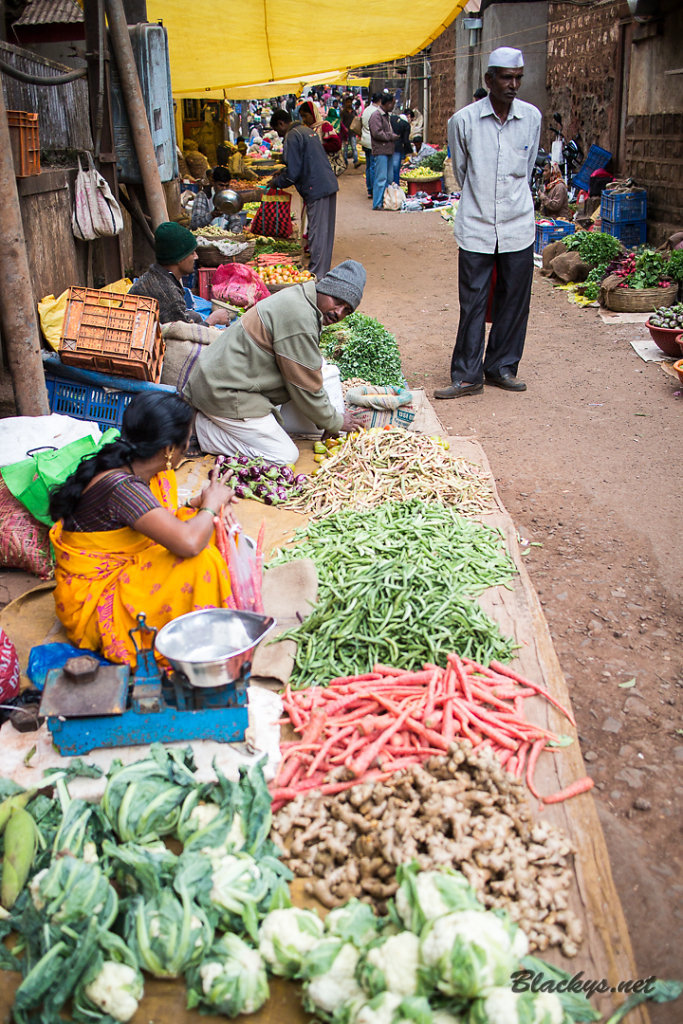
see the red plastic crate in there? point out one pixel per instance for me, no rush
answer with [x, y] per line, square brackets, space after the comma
[112, 333]
[430, 187]
[204, 279]
[24, 136]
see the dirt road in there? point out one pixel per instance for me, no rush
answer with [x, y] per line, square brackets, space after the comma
[587, 463]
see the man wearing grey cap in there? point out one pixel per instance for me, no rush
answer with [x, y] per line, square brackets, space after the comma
[493, 145]
[268, 357]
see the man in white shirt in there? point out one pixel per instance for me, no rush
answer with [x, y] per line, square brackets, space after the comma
[366, 141]
[493, 145]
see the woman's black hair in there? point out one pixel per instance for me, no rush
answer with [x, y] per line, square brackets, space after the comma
[152, 422]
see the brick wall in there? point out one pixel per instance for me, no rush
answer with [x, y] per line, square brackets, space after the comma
[654, 157]
[581, 64]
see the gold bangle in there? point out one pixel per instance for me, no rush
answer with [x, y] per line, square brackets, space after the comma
[205, 509]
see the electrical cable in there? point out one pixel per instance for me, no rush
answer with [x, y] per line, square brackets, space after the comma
[24, 76]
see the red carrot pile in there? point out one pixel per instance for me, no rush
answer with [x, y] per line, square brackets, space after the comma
[378, 723]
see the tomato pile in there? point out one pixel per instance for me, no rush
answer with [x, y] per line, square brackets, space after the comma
[283, 273]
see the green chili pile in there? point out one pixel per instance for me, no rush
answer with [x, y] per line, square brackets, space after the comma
[396, 585]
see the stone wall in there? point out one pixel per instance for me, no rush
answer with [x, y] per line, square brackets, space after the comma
[654, 157]
[581, 70]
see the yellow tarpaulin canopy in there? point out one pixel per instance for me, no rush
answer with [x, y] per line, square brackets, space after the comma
[264, 90]
[216, 47]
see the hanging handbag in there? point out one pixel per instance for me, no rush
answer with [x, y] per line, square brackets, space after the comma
[96, 213]
[273, 217]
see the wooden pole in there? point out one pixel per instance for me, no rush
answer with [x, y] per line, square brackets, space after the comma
[17, 301]
[137, 116]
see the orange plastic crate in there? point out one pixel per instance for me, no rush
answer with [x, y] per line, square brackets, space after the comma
[23, 132]
[112, 333]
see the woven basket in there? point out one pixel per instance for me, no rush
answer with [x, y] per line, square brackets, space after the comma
[211, 256]
[640, 300]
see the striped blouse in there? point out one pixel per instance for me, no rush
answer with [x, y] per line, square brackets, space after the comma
[117, 499]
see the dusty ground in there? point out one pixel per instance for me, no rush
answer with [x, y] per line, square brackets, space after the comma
[587, 464]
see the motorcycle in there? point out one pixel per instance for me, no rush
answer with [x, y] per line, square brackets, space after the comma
[567, 154]
[541, 162]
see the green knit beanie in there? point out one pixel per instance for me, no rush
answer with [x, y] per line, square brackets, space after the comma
[172, 243]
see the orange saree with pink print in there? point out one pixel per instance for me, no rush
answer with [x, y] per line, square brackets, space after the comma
[106, 578]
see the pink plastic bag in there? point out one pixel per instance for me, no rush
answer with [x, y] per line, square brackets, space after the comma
[238, 284]
[9, 668]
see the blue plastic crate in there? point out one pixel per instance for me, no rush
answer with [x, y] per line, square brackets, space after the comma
[620, 206]
[596, 159]
[629, 233]
[88, 395]
[547, 233]
[85, 402]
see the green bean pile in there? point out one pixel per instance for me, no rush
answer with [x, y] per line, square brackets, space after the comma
[396, 585]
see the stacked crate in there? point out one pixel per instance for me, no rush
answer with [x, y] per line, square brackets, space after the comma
[624, 215]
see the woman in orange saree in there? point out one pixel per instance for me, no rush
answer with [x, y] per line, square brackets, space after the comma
[121, 544]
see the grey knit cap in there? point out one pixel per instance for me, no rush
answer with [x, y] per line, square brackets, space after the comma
[346, 281]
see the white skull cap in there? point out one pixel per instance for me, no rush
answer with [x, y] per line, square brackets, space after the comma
[506, 57]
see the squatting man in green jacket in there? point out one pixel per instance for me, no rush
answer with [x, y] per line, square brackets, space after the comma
[270, 356]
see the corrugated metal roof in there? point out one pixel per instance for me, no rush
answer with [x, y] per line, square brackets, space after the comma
[51, 12]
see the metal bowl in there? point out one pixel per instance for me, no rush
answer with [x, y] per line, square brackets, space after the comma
[228, 201]
[211, 646]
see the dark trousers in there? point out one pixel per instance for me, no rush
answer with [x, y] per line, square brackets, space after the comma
[369, 169]
[321, 223]
[511, 299]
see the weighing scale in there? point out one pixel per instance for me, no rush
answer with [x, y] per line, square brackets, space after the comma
[202, 695]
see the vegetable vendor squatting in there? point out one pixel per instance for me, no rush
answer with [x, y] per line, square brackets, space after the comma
[121, 543]
[271, 355]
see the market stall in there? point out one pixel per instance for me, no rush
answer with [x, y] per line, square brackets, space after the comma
[605, 949]
[412, 669]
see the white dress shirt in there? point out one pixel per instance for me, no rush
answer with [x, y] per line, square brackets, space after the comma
[493, 163]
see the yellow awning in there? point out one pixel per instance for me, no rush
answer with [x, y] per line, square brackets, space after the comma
[216, 47]
[264, 90]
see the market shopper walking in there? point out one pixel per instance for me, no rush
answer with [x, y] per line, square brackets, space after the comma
[348, 116]
[383, 140]
[400, 125]
[366, 141]
[493, 145]
[308, 169]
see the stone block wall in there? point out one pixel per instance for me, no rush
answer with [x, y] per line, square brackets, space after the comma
[654, 157]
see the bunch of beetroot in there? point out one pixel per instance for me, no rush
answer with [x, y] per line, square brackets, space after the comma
[256, 478]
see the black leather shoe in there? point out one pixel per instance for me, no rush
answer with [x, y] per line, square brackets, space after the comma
[507, 381]
[459, 390]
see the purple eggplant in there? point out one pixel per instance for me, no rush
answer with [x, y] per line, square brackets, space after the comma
[272, 473]
[281, 493]
[300, 479]
[243, 460]
[255, 472]
[287, 474]
[241, 491]
[244, 474]
[260, 490]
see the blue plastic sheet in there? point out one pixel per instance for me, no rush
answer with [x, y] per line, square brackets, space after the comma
[46, 656]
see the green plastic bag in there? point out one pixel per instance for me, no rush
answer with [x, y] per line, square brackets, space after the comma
[32, 479]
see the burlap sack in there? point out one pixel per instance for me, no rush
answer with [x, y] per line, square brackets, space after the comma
[184, 342]
[197, 164]
[569, 267]
[549, 253]
[289, 593]
[608, 285]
